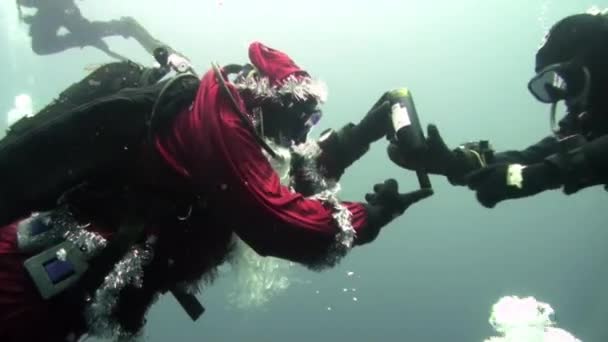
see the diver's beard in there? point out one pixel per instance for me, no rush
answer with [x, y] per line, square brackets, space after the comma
[297, 168]
[292, 169]
[281, 165]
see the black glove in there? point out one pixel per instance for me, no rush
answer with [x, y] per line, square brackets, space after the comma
[500, 182]
[437, 158]
[340, 149]
[375, 124]
[385, 204]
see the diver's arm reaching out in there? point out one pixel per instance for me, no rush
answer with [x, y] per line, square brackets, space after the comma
[210, 145]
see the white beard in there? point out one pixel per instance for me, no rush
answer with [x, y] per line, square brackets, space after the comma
[281, 166]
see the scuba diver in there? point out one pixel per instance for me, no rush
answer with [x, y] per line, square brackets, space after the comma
[125, 188]
[53, 15]
[571, 66]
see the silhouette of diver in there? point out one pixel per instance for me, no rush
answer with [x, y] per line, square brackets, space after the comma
[52, 15]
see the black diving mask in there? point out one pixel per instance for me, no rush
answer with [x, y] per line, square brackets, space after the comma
[562, 81]
[569, 82]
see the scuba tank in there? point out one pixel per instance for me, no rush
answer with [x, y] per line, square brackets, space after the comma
[406, 131]
[94, 130]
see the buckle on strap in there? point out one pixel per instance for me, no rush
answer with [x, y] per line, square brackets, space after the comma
[57, 268]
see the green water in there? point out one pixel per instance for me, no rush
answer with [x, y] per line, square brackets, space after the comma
[433, 274]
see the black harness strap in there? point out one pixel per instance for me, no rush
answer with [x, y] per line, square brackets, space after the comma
[189, 303]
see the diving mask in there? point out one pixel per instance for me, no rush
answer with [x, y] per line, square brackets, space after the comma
[568, 82]
[561, 81]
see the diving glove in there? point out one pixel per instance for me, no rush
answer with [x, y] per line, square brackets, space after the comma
[437, 158]
[385, 204]
[340, 149]
[375, 124]
[578, 166]
[500, 182]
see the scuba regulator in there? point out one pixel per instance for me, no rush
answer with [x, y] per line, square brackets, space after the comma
[405, 130]
[171, 60]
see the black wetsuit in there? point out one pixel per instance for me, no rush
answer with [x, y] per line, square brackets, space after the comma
[52, 15]
[587, 164]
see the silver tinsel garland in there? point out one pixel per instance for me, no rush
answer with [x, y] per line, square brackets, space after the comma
[129, 271]
[299, 88]
[325, 190]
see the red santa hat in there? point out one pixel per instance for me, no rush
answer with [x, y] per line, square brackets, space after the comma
[279, 75]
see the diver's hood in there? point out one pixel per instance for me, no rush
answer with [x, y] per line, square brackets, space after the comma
[583, 35]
